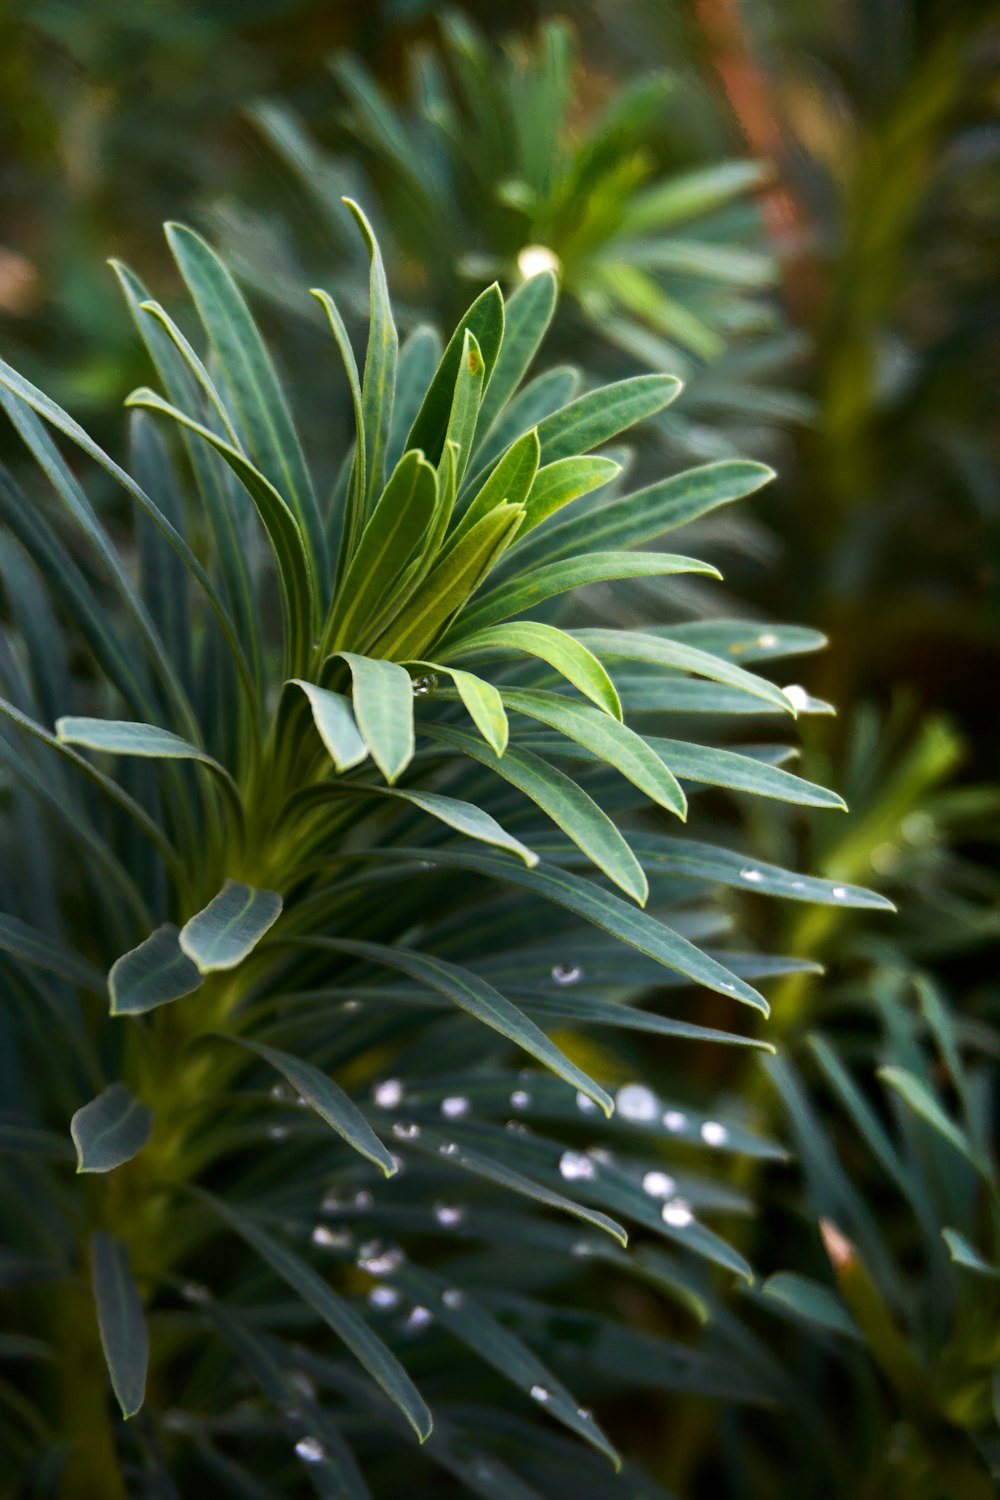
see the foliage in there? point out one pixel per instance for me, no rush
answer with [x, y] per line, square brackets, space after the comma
[256, 743]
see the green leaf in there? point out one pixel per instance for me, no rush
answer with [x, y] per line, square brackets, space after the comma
[483, 702]
[527, 315]
[484, 319]
[125, 737]
[675, 199]
[568, 805]
[383, 708]
[664, 651]
[685, 857]
[965, 1254]
[223, 933]
[481, 1000]
[742, 773]
[923, 1103]
[111, 1129]
[380, 366]
[597, 416]
[327, 1098]
[465, 818]
[47, 952]
[613, 741]
[528, 589]
[418, 359]
[561, 482]
[541, 397]
[121, 1321]
[355, 517]
[334, 719]
[153, 974]
[578, 665]
[465, 404]
[510, 481]
[255, 388]
[811, 1301]
[347, 1324]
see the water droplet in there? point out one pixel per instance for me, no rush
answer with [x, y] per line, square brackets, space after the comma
[520, 1099]
[730, 987]
[585, 1413]
[330, 1203]
[658, 1184]
[419, 1317]
[303, 1383]
[193, 1291]
[839, 893]
[388, 1094]
[768, 640]
[378, 1262]
[453, 1297]
[601, 1154]
[636, 1102]
[325, 1238]
[798, 885]
[425, 684]
[310, 1450]
[753, 876]
[581, 1247]
[584, 1103]
[405, 1130]
[532, 260]
[363, 1198]
[539, 1393]
[797, 696]
[677, 1213]
[454, 1106]
[714, 1134]
[517, 1127]
[674, 1119]
[351, 1005]
[278, 1132]
[567, 973]
[383, 1296]
[448, 1148]
[278, 1091]
[448, 1214]
[575, 1166]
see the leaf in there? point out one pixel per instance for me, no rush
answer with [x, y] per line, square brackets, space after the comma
[125, 737]
[327, 1098]
[482, 701]
[224, 932]
[561, 482]
[334, 719]
[614, 742]
[347, 1324]
[742, 773]
[510, 481]
[923, 1103]
[568, 805]
[383, 708]
[121, 1321]
[380, 366]
[526, 317]
[685, 857]
[481, 1000]
[578, 665]
[47, 952]
[812, 1301]
[667, 652]
[597, 416]
[110, 1130]
[465, 818]
[528, 589]
[153, 974]
[484, 319]
[604, 910]
[418, 359]
[965, 1254]
[465, 404]
[675, 199]
[255, 388]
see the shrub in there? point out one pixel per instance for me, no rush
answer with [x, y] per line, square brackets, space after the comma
[295, 883]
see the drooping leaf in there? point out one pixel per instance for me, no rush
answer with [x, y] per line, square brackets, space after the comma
[110, 1130]
[153, 974]
[383, 709]
[121, 1321]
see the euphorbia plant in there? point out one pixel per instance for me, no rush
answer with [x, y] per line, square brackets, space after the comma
[292, 889]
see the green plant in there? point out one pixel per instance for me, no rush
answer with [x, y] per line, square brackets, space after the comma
[239, 790]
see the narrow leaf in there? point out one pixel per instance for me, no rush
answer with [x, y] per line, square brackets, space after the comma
[121, 1321]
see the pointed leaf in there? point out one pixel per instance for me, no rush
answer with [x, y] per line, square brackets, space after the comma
[47, 952]
[484, 320]
[597, 416]
[465, 818]
[578, 665]
[334, 719]
[224, 932]
[383, 708]
[121, 1321]
[153, 974]
[111, 1129]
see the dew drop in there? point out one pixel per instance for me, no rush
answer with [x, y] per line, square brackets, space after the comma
[325, 1238]
[448, 1148]
[383, 1296]
[585, 1413]
[636, 1102]
[658, 1184]
[754, 877]
[278, 1091]
[677, 1213]
[405, 1130]
[600, 1154]
[454, 1106]
[839, 893]
[567, 973]
[278, 1132]
[584, 1103]
[310, 1450]
[768, 640]
[303, 1383]
[388, 1093]
[539, 1393]
[453, 1297]
[330, 1203]
[797, 696]
[425, 684]
[516, 1127]
[520, 1099]
[675, 1119]
[714, 1134]
[193, 1291]
[351, 1005]
[448, 1214]
[379, 1262]
[575, 1166]
[418, 1318]
[363, 1199]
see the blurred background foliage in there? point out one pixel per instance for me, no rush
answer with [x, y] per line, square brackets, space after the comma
[797, 207]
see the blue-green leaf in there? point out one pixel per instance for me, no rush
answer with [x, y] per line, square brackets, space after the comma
[223, 933]
[121, 1321]
[153, 974]
[111, 1129]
